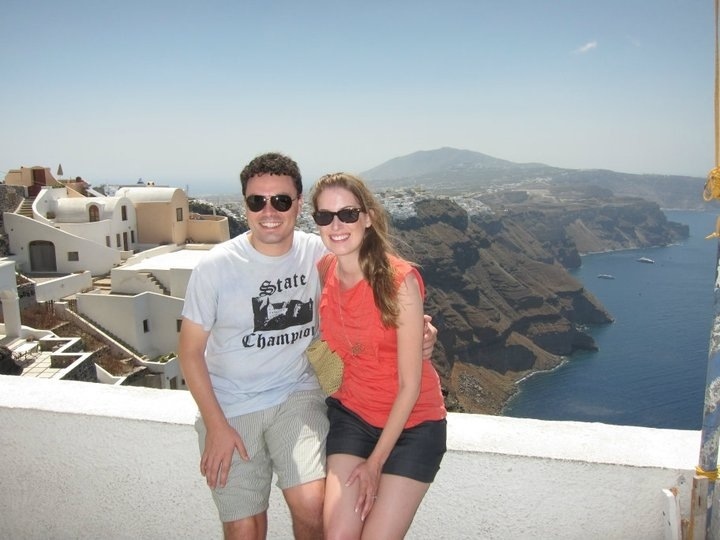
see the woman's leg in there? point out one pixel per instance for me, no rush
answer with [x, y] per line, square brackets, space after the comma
[395, 507]
[340, 521]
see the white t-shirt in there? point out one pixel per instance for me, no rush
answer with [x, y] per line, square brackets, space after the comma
[261, 313]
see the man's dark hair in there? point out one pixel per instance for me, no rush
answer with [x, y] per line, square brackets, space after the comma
[271, 163]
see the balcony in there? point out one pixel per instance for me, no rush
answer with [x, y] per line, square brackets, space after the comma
[84, 460]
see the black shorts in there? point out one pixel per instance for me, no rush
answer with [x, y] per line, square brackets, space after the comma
[417, 453]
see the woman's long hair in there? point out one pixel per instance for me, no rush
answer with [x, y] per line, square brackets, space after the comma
[376, 244]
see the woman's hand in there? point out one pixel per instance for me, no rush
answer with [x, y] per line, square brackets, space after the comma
[367, 474]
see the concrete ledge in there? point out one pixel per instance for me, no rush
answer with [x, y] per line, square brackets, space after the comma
[83, 460]
[578, 441]
[72, 397]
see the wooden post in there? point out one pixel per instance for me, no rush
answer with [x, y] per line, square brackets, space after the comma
[698, 509]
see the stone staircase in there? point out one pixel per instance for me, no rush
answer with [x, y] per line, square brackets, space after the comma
[25, 208]
[155, 282]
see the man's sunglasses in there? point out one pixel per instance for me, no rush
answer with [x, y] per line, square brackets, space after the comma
[281, 203]
[346, 215]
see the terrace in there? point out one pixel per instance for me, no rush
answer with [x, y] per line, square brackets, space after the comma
[84, 460]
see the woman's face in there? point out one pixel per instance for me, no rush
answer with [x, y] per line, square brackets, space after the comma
[340, 237]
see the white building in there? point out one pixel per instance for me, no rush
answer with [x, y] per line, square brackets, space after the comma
[144, 237]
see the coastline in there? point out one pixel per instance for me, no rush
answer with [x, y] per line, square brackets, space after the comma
[649, 368]
[525, 376]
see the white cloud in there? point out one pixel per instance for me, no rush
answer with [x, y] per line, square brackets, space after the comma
[589, 46]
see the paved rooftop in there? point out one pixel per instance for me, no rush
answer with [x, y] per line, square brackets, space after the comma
[182, 258]
[27, 354]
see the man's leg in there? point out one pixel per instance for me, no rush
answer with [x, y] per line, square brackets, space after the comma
[296, 441]
[306, 508]
[242, 503]
[250, 528]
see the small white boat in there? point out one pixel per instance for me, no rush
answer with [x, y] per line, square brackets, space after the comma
[646, 260]
[606, 276]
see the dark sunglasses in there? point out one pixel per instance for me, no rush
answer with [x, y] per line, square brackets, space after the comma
[281, 203]
[346, 215]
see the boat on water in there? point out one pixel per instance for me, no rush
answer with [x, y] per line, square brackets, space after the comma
[606, 276]
[646, 260]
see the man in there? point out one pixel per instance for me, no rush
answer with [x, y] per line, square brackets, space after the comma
[250, 313]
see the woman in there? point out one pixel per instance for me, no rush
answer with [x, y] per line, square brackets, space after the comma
[387, 420]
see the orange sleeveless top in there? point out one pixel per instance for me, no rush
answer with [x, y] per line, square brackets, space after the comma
[351, 324]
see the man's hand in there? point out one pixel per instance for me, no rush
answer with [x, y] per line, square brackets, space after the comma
[429, 337]
[220, 445]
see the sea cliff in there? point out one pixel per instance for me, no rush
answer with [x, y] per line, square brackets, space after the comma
[498, 286]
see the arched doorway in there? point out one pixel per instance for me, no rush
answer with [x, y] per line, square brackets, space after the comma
[42, 256]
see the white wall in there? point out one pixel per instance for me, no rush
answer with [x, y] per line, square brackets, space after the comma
[159, 310]
[131, 281]
[46, 201]
[9, 301]
[165, 311]
[96, 258]
[179, 279]
[62, 287]
[8, 281]
[83, 460]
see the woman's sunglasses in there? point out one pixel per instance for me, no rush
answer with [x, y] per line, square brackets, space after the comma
[346, 215]
[281, 203]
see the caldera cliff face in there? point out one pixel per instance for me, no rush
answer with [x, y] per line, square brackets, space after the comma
[498, 289]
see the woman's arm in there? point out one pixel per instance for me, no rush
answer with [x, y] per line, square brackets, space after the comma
[410, 345]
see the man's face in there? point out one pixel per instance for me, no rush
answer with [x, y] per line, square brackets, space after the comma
[271, 230]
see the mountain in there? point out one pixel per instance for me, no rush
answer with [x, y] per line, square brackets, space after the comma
[454, 171]
[441, 161]
[450, 170]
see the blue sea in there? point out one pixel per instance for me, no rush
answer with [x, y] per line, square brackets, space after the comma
[651, 365]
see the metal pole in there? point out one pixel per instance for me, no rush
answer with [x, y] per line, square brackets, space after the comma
[707, 465]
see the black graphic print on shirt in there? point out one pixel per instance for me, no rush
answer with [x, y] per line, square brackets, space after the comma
[269, 315]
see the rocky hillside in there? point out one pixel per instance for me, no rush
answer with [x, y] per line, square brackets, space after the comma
[499, 292]
[572, 221]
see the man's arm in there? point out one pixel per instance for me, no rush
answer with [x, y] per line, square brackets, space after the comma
[429, 337]
[221, 439]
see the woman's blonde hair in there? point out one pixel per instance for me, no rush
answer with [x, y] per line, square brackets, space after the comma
[376, 244]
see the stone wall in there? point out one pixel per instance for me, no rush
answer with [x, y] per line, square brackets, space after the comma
[83, 371]
[10, 199]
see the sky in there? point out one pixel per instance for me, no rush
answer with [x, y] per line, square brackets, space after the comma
[185, 93]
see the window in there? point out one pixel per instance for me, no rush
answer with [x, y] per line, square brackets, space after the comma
[93, 213]
[107, 241]
[132, 236]
[123, 210]
[178, 324]
[117, 240]
[179, 214]
[146, 326]
[73, 256]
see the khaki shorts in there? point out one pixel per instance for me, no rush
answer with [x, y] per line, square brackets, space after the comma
[288, 439]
